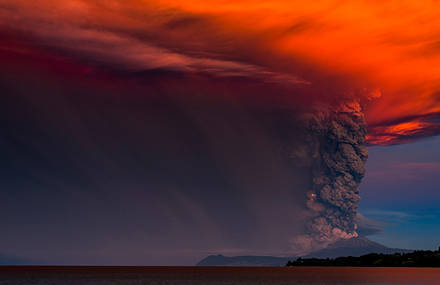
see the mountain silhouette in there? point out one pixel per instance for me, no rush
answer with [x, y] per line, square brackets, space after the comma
[350, 247]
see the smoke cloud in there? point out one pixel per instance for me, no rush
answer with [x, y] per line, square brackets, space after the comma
[336, 148]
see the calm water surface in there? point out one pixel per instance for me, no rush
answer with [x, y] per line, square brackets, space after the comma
[216, 275]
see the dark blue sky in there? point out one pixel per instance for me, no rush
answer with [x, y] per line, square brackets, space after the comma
[401, 190]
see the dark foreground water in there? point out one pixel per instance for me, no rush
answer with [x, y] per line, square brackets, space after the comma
[216, 275]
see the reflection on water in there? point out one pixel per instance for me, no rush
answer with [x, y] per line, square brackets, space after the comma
[216, 275]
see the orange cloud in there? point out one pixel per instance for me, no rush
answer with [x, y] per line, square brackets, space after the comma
[390, 47]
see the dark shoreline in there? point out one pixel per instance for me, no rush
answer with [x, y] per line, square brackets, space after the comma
[417, 258]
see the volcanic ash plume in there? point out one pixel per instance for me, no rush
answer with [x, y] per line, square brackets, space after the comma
[335, 145]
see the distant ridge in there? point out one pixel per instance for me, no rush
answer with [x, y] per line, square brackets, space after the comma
[221, 260]
[351, 247]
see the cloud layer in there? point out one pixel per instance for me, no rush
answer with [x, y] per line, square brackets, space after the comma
[387, 50]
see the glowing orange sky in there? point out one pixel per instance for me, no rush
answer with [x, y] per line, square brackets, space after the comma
[389, 49]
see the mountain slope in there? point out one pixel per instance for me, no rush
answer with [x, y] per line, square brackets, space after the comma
[220, 260]
[354, 247]
[351, 247]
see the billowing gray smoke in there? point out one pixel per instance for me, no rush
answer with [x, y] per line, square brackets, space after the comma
[335, 146]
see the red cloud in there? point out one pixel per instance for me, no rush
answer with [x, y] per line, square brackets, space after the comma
[326, 49]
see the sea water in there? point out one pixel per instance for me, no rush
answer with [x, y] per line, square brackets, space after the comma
[216, 275]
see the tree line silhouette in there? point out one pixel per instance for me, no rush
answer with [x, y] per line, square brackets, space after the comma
[418, 258]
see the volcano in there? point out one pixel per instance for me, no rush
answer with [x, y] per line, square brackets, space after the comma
[349, 247]
[354, 247]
